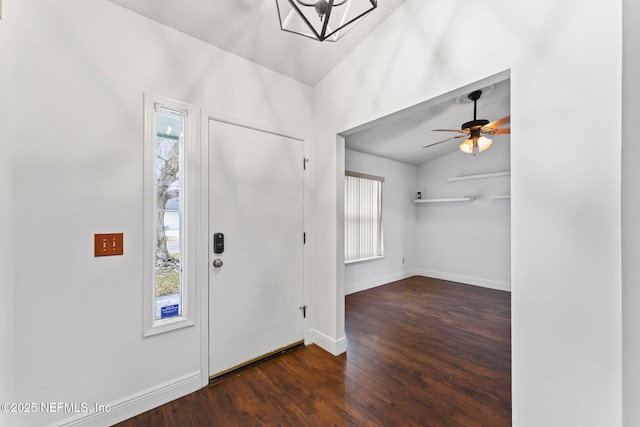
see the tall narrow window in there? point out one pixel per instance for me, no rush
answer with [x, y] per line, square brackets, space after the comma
[170, 129]
[363, 217]
[168, 211]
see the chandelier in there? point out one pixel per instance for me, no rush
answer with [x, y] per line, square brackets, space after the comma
[322, 19]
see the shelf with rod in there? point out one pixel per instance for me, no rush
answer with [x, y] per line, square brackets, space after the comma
[480, 176]
[450, 199]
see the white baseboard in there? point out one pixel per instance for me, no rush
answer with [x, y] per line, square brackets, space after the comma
[335, 347]
[378, 281]
[137, 403]
[491, 284]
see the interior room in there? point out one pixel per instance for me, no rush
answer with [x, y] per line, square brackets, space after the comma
[80, 81]
[425, 236]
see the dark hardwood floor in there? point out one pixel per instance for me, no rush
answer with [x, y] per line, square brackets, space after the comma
[421, 352]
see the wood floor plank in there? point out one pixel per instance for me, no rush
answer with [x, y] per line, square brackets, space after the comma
[420, 352]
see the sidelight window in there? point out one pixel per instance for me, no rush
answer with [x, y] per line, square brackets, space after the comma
[170, 133]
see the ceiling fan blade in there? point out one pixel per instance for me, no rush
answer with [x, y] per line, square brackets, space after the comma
[502, 131]
[500, 122]
[440, 142]
[448, 130]
[490, 131]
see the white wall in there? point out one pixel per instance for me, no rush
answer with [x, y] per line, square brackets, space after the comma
[468, 242]
[398, 217]
[630, 214]
[80, 72]
[7, 286]
[565, 62]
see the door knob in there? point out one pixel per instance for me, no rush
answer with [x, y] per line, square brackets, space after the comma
[217, 263]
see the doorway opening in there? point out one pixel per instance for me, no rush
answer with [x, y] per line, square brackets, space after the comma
[446, 212]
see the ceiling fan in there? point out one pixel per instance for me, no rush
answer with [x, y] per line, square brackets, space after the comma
[475, 129]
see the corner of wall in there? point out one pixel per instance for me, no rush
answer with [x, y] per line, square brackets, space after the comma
[630, 211]
[7, 283]
[335, 347]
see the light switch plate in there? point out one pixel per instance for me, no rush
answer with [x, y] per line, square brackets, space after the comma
[108, 244]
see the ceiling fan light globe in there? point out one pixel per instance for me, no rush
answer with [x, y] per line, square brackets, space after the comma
[466, 146]
[484, 143]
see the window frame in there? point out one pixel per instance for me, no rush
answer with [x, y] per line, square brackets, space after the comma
[189, 175]
[380, 228]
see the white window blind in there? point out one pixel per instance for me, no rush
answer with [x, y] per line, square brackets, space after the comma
[363, 216]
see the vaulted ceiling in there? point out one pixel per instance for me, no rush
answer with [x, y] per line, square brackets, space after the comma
[251, 29]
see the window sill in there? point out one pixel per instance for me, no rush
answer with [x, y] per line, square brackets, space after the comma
[166, 325]
[363, 260]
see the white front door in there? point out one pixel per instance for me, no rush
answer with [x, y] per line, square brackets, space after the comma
[256, 201]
